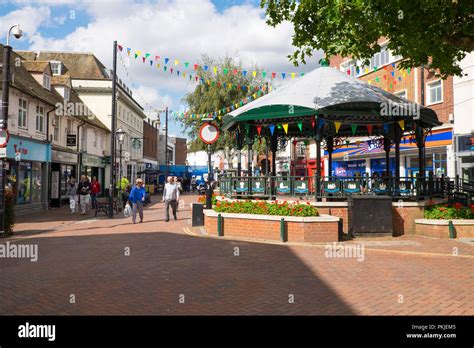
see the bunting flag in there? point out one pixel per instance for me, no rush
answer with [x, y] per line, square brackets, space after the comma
[137, 53]
[285, 127]
[166, 60]
[354, 128]
[293, 75]
[313, 121]
[186, 64]
[369, 129]
[259, 130]
[254, 73]
[402, 124]
[337, 125]
[128, 51]
[300, 126]
[321, 122]
[386, 128]
[120, 47]
[272, 129]
[273, 75]
[156, 58]
[283, 75]
[176, 62]
[196, 66]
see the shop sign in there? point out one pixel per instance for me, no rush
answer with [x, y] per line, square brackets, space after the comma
[466, 143]
[64, 157]
[71, 140]
[27, 150]
[91, 160]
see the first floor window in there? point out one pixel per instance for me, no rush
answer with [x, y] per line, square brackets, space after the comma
[39, 119]
[22, 113]
[435, 92]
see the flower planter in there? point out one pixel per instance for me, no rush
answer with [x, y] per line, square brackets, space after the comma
[440, 228]
[318, 229]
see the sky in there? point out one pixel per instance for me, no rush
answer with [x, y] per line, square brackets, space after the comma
[182, 30]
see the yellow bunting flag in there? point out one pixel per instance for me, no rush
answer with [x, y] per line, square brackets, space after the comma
[293, 75]
[337, 125]
[402, 124]
[157, 66]
[138, 53]
[220, 118]
[215, 70]
[370, 82]
[254, 96]
[176, 62]
[285, 127]
[184, 74]
[236, 105]
[366, 70]
[254, 73]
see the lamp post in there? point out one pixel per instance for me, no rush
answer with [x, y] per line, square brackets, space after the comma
[113, 178]
[17, 33]
[120, 133]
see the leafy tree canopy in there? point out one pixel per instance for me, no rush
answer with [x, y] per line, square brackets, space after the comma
[434, 33]
[212, 96]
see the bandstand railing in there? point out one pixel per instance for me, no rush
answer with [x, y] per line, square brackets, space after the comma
[340, 188]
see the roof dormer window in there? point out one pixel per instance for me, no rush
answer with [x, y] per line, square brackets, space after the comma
[47, 82]
[56, 67]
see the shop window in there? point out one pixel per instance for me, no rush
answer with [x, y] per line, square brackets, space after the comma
[24, 183]
[36, 184]
[39, 119]
[23, 113]
[435, 92]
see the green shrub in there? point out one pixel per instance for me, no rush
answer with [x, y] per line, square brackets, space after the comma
[449, 212]
[264, 208]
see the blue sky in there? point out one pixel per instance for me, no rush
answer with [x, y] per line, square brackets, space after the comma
[179, 29]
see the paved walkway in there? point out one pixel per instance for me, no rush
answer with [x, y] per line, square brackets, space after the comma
[173, 269]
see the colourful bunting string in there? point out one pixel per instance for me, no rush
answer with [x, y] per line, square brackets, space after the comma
[285, 127]
[337, 125]
[272, 129]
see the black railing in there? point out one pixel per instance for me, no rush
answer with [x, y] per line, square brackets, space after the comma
[340, 188]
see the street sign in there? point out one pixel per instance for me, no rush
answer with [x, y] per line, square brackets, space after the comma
[3, 152]
[4, 137]
[71, 139]
[208, 133]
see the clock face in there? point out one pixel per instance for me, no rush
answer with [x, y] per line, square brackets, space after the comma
[209, 133]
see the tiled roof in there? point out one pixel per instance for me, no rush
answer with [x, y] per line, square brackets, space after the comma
[35, 65]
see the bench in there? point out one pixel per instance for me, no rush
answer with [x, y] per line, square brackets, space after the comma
[103, 205]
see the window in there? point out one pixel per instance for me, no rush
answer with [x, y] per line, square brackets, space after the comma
[69, 127]
[401, 94]
[56, 68]
[435, 92]
[40, 119]
[56, 128]
[22, 114]
[66, 94]
[47, 82]
[94, 140]
[300, 150]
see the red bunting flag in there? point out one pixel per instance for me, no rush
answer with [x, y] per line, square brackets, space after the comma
[348, 71]
[143, 58]
[259, 129]
[369, 129]
[120, 47]
[171, 70]
[313, 121]
[273, 75]
[196, 66]
[156, 58]
[384, 77]
[235, 71]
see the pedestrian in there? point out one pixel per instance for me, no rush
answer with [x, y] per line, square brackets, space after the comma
[125, 194]
[84, 189]
[170, 197]
[73, 196]
[137, 197]
[95, 191]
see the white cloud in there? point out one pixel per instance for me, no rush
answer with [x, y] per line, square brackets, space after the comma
[29, 18]
[178, 29]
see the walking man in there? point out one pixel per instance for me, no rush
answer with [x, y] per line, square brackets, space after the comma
[73, 196]
[170, 197]
[137, 197]
[84, 190]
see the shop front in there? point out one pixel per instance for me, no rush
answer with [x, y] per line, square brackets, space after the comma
[93, 166]
[63, 168]
[465, 157]
[27, 173]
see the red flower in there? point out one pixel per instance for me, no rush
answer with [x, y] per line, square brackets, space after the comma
[457, 206]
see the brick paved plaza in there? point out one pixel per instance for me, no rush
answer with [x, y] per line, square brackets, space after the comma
[86, 257]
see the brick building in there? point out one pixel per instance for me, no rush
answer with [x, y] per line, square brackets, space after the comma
[181, 150]
[383, 71]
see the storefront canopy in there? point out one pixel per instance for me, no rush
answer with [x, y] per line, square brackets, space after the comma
[332, 96]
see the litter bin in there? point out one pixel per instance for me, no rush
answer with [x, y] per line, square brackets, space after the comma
[197, 214]
[370, 216]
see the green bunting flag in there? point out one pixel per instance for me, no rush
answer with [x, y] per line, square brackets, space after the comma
[300, 126]
[354, 128]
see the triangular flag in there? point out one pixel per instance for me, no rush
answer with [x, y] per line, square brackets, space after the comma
[205, 67]
[273, 75]
[147, 55]
[143, 58]
[402, 124]
[272, 129]
[279, 126]
[354, 128]
[164, 68]
[369, 129]
[226, 71]
[259, 129]
[321, 122]
[285, 127]
[156, 58]
[167, 60]
[264, 74]
[386, 127]
[151, 62]
[215, 70]
[254, 73]
[128, 51]
[408, 71]
[313, 121]
[283, 75]
[157, 66]
[186, 64]
[337, 125]
[300, 126]
[176, 62]
[302, 74]
[177, 72]
[120, 47]
[293, 75]
[171, 70]
[393, 73]
[235, 71]
[196, 66]
[244, 72]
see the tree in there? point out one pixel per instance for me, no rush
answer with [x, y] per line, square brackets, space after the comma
[436, 34]
[213, 96]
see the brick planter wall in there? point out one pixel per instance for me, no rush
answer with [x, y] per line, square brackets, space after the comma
[440, 228]
[319, 229]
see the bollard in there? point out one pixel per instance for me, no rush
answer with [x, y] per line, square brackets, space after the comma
[451, 230]
[282, 230]
[219, 225]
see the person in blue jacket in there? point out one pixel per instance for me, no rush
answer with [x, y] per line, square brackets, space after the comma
[137, 197]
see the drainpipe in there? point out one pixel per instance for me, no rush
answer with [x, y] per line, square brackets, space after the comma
[48, 163]
[79, 154]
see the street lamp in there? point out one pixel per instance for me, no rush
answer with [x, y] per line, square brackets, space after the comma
[17, 33]
[120, 133]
